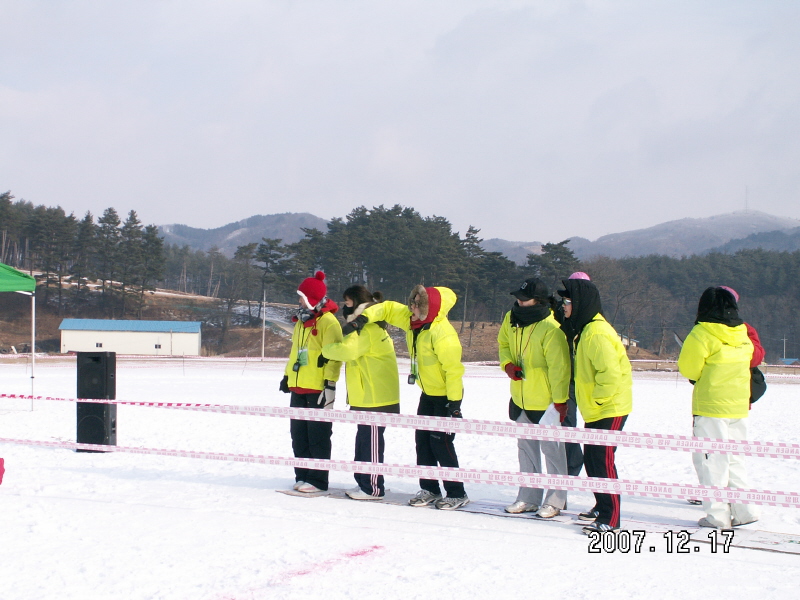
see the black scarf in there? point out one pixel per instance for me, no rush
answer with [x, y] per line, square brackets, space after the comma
[522, 316]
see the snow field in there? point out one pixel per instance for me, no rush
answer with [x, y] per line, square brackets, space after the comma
[79, 525]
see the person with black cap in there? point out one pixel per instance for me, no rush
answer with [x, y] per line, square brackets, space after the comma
[603, 389]
[311, 379]
[534, 355]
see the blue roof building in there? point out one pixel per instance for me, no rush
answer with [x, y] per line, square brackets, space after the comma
[152, 338]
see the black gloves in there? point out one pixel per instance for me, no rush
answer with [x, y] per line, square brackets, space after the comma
[322, 361]
[284, 387]
[454, 409]
[356, 325]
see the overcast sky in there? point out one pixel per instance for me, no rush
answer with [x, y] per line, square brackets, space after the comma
[532, 120]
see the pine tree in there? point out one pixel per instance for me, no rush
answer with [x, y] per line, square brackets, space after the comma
[107, 255]
[153, 261]
[84, 253]
[130, 257]
[556, 262]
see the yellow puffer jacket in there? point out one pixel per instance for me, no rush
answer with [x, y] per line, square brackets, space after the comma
[603, 382]
[371, 366]
[437, 351]
[717, 358]
[540, 349]
[310, 376]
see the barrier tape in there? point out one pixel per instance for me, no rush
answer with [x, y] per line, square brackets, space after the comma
[603, 437]
[513, 478]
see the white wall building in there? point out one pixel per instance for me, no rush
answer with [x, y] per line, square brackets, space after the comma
[153, 338]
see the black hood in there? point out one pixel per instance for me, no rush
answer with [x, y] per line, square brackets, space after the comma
[585, 303]
[717, 305]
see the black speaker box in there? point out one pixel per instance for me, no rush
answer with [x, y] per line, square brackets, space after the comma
[97, 375]
[97, 423]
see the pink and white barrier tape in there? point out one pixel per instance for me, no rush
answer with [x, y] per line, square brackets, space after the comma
[513, 478]
[603, 437]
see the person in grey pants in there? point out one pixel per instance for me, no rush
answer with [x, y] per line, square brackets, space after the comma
[534, 354]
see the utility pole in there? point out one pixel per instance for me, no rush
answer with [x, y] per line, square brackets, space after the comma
[784, 347]
[263, 322]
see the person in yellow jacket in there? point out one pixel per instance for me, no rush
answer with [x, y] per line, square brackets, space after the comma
[716, 357]
[311, 380]
[436, 368]
[603, 390]
[534, 354]
[373, 384]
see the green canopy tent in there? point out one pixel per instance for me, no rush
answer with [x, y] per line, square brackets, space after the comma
[12, 280]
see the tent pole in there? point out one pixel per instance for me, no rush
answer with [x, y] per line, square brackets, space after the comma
[33, 343]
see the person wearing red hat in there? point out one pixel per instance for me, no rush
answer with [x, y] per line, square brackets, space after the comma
[437, 369]
[311, 379]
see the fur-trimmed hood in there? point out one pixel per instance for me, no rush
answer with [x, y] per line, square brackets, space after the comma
[433, 302]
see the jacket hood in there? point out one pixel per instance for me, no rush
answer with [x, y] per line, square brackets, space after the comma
[731, 336]
[434, 304]
[585, 303]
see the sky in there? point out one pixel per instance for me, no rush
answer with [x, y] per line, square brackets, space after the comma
[531, 120]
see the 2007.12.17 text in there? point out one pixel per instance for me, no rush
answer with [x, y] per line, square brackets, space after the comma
[674, 542]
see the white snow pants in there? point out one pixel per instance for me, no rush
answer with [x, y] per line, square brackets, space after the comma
[530, 461]
[724, 470]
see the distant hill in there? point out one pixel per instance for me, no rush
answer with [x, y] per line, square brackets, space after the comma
[516, 251]
[685, 236]
[286, 226]
[782, 241]
[727, 233]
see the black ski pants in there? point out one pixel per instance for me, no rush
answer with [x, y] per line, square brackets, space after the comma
[310, 439]
[435, 448]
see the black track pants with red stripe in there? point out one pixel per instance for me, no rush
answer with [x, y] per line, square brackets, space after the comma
[599, 462]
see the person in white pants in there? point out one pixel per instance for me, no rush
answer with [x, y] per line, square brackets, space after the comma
[716, 358]
[724, 470]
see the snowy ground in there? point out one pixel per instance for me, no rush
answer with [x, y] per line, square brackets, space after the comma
[87, 526]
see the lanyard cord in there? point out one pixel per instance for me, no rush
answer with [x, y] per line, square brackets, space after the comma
[520, 349]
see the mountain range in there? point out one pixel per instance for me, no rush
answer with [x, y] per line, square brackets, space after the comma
[684, 237]
[285, 226]
[726, 233]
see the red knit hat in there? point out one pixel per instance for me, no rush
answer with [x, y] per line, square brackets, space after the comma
[313, 289]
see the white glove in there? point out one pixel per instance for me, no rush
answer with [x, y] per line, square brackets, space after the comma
[328, 395]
